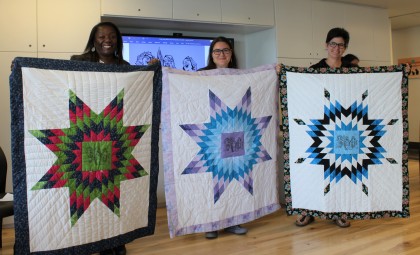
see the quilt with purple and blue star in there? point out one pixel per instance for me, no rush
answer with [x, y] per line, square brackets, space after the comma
[84, 154]
[219, 136]
[345, 141]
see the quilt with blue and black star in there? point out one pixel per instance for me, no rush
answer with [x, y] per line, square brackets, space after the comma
[84, 154]
[345, 141]
[219, 133]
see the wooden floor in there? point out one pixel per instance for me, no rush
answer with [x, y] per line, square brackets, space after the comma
[277, 234]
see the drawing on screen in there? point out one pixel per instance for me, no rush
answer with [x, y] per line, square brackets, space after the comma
[168, 61]
[188, 64]
[144, 58]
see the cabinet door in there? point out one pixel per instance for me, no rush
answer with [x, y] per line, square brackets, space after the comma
[18, 25]
[382, 35]
[294, 29]
[64, 26]
[200, 10]
[138, 8]
[361, 31]
[253, 12]
[325, 15]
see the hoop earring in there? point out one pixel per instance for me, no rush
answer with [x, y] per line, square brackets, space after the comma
[93, 49]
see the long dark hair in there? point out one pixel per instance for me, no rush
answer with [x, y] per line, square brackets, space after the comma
[94, 57]
[210, 62]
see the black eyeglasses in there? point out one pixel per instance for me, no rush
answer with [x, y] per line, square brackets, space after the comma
[334, 44]
[225, 51]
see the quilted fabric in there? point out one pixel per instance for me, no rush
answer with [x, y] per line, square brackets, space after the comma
[346, 141]
[219, 133]
[84, 154]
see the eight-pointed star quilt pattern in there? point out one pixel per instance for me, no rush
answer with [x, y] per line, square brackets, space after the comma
[345, 136]
[84, 153]
[219, 133]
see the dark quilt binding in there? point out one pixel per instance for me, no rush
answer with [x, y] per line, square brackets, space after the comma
[18, 153]
[404, 70]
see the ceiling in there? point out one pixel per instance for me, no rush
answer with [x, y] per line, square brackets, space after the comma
[402, 13]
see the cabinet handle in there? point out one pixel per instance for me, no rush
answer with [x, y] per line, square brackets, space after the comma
[198, 14]
[249, 18]
[30, 45]
[43, 45]
[139, 10]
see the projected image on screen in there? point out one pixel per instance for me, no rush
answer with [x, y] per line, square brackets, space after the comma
[185, 53]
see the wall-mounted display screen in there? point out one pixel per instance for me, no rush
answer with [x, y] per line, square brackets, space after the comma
[185, 53]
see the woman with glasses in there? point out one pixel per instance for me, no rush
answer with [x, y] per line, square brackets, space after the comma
[336, 44]
[222, 55]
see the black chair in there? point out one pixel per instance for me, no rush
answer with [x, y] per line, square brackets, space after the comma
[6, 208]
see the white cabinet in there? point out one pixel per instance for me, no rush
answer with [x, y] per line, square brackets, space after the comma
[64, 26]
[294, 32]
[325, 15]
[250, 12]
[137, 8]
[382, 35]
[47, 25]
[18, 25]
[361, 33]
[197, 10]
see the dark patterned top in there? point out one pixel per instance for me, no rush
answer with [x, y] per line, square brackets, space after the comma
[88, 57]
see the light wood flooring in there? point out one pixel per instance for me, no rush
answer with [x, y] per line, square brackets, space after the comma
[277, 234]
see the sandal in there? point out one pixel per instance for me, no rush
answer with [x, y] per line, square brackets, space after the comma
[304, 220]
[342, 223]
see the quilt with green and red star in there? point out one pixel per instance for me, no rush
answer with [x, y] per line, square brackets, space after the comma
[219, 133]
[346, 141]
[84, 154]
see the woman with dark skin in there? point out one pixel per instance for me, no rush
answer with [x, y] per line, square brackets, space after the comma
[104, 46]
[222, 55]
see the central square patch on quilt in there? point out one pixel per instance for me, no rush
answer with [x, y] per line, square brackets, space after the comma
[345, 141]
[219, 132]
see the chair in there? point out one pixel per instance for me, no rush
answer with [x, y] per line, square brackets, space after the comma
[6, 208]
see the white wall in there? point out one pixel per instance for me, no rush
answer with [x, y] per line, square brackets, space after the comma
[260, 48]
[405, 44]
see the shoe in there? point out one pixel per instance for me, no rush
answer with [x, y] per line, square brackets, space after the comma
[304, 220]
[212, 235]
[342, 223]
[237, 230]
[120, 250]
[107, 252]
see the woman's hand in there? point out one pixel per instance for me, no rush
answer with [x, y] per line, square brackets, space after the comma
[153, 61]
